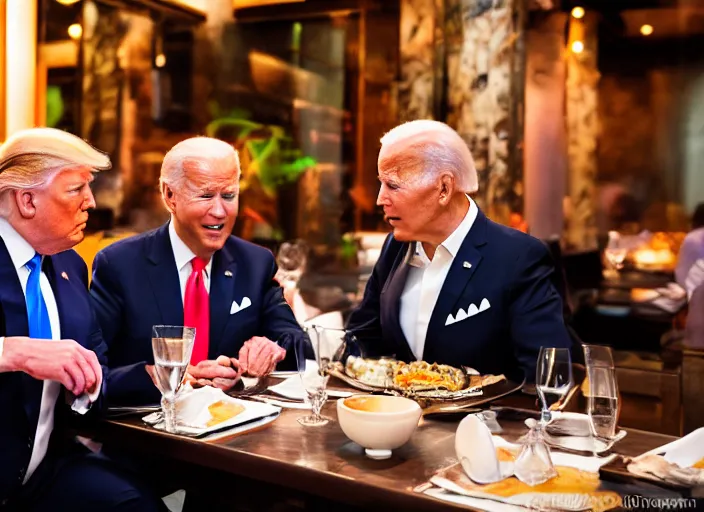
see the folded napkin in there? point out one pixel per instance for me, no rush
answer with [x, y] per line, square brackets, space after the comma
[292, 387]
[680, 462]
[81, 404]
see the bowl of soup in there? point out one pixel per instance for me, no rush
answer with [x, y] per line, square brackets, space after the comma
[378, 423]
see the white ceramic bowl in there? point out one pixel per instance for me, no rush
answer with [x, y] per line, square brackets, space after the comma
[388, 422]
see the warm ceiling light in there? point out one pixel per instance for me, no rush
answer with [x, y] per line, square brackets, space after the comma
[577, 47]
[646, 30]
[75, 31]
[578, 12]
[67, 2]
[160, 60]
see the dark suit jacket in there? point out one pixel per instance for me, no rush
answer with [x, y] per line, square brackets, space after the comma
[136, 285]
[508, 268]
[20, 394]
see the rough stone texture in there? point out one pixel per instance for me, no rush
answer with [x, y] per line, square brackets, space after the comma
[415, 90]
[102, 89]
[582, 136]
[481, 43]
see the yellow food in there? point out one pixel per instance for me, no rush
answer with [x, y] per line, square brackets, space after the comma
[222, 411]
[422, 375]
[699, 464]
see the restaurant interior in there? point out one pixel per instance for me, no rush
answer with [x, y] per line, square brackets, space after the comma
[585, 119]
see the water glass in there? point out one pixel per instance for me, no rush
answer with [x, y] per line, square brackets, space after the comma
[553, 379]
[602, 401]
[172, 347]
[616, 251]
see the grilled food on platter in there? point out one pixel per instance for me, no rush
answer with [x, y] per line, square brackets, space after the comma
[420, 376]
[417, 376]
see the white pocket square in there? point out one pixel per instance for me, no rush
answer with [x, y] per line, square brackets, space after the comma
[471, 311]
[236, 308]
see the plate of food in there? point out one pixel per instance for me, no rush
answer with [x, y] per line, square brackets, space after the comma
[427, 383]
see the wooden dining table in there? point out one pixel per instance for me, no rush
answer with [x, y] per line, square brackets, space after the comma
[322, 463]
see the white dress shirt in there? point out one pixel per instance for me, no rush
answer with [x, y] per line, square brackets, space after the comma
[425, 280]
[183, 256]
[20, 253]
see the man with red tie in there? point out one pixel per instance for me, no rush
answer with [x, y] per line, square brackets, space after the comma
[193, 272]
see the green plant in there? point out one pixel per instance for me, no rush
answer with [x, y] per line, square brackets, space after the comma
[268, 153]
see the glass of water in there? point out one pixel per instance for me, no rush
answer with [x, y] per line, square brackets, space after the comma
[172, 346]
[602, 401]
[553, 379]
[329, 347]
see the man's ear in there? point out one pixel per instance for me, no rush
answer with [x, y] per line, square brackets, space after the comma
[167, 194]
[26, 203]
[447, 188]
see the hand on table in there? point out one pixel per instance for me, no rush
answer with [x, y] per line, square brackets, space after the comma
[223, 373]
[259, 356]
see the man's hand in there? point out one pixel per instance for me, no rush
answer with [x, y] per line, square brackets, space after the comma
[63, 361]
[259, 356]
[222, 373]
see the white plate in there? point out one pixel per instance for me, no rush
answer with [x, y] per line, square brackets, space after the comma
[685, 451]
[192, 412]
[282, 374]
[293, 388]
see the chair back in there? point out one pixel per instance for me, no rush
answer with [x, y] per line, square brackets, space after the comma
[694, 328]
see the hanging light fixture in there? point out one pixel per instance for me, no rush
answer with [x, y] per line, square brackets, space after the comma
[68, 2]
[578, 13]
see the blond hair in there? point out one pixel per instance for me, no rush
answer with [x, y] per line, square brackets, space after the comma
[440, 148]
[31, 158]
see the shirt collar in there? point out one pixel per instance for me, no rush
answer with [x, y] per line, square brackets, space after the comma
[182, 254]
[452, 243]
[20, 250]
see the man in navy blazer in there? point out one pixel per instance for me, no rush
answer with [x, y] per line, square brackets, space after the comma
[152, 279]
[51, 348]
[450, 285]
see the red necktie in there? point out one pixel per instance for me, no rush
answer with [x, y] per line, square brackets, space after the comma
[196, 310]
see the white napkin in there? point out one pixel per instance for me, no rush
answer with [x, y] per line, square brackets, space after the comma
[81, 404]
[476, 452]
[292, 387]
[583, 462]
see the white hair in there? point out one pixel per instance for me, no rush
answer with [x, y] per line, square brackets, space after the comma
[199, 152]
[31, 158]
[441, 149]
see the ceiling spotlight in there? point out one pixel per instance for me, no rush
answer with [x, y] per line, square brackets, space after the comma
[75, 31]
[646, 30]
[67, 2]
[577, 47]
[160, 60]
[578, 12]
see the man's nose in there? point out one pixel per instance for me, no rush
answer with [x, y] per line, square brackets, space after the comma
[89, 201]
[381, 199]
[218, 208]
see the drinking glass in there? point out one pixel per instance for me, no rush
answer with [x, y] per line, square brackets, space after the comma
[598, 355]
[615, 251]
[602, 402]
[172, 346]
[553, 379]
[291, 259]
[329, 346]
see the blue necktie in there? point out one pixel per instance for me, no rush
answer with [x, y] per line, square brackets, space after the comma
[37, 314]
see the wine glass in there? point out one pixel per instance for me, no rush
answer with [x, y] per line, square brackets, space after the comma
[172, 346]
[553, 379]
[602, 401]
[598, 355]
[329, 346]
[615, 251]
[291, 259]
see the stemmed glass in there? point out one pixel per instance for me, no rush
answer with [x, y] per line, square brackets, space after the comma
[172, 347]
[291, 259]
[329, 346]
[602, 396]
[553, 379]
[615, 251]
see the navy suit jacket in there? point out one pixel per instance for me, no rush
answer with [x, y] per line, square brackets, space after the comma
[510, 269]
[136, 285]
[20, 394]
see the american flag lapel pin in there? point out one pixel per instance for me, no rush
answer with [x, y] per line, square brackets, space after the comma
[64, 275]
[228, 273]
[467, 264]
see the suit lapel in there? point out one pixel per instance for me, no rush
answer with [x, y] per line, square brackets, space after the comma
[463, 268]
[222, 288]
[391, 303]
[163, 277]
